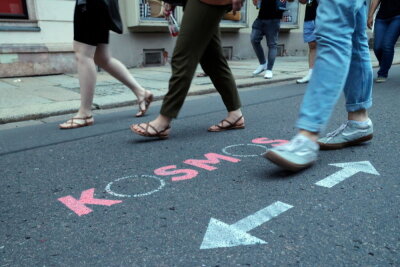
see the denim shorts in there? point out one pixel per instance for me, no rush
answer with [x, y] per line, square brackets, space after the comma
[308, 31]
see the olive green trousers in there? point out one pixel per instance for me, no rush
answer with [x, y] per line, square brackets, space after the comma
[199, 42]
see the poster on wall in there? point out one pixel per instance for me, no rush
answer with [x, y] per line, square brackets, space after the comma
[13, 9]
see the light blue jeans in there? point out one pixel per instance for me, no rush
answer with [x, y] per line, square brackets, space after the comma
[342, 62]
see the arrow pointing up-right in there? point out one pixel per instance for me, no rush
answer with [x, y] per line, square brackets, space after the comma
[349, 169]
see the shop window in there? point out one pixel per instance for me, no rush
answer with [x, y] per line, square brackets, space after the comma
[237, 20]
[290, 16]
[13, 9]
[151, 10]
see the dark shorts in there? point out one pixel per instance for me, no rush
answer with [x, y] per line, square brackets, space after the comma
[91, 23]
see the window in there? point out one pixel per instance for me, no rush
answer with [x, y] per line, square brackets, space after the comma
[13, 9]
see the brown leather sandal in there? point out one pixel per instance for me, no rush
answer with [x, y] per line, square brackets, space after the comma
[163, 134]
[231, 125]
[147, 101]
[77, 122]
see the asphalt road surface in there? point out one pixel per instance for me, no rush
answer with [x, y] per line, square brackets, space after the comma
[102, 196]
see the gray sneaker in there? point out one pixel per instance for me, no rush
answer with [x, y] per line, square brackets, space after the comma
[348, 134]
[298, 154]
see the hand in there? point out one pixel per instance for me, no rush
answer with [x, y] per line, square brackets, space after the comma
[236, 5]
[370, 22]
[303, 2]
[168, 9]
[255, 2]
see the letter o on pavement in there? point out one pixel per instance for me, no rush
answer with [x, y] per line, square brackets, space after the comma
[111, 192]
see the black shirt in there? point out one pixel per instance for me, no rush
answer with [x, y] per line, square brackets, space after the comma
[311, 11]
[388, 9]
[268, 10]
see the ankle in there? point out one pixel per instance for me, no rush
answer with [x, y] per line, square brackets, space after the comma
[310, 135]
[83, 114]
[235, 114]
[359, 115]
[163, 121]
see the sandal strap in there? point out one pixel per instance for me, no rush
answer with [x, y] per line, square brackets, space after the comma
[84, 119]
[157, 133]
[230, 123]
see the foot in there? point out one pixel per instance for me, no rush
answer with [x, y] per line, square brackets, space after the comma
[380, 79]
[157, 128]
[299, 153]
[268, 74]
[348, 134]
[230, 123]
[260, 69]
[306, 78]
[148, 130]
[77, 122]
[144, 103]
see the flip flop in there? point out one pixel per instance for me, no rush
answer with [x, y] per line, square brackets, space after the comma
[77, 122]
[163, 134]
[231, 126]
[147, 101]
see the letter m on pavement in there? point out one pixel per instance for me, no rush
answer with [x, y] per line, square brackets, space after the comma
[212, 158]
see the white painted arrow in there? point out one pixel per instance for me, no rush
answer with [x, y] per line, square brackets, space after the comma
[349, 169]
[220, 234]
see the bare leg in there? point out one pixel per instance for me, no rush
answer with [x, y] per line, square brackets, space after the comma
[87, 80]
[312, 52]
[114, 67]
[87, 76]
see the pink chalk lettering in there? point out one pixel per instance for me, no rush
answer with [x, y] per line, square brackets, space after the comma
[212, 158]
[165, 171]
[87, 197]
[264, 140]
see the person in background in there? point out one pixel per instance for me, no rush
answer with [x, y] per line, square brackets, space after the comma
[198, 42]
[386, 33]
[342, 63]
[93, 21]
[309, 36]
[266, 24]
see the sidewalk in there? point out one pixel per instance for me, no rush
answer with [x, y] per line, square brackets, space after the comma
[29, 98]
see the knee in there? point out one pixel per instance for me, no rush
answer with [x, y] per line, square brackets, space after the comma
[80, 57]
[101, 60]
[312, 45]
[386, 47]
[254, 39]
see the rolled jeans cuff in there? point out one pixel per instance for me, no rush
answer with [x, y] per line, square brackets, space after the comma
[358, 106]
[308, 126]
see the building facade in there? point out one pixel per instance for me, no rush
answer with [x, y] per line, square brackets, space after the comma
[36, 35]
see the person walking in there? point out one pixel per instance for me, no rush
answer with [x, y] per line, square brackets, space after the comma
[266, 24]
[386, 33]
[93, 20]
[309, 36]
[342, 45]
[198, 41]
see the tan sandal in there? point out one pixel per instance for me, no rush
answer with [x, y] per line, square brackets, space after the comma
[231, 125]
[77, 122]
[147, 101]
[163, 134]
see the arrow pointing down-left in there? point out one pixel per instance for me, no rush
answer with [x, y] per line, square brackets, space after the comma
[220, 234]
